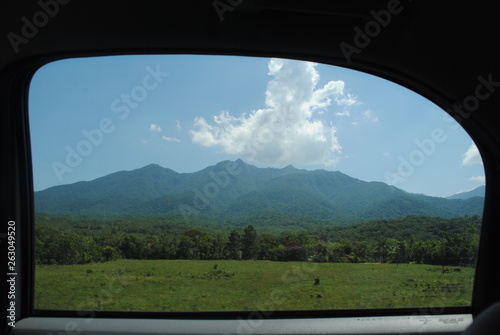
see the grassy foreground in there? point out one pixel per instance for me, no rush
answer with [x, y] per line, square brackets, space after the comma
[184, 285]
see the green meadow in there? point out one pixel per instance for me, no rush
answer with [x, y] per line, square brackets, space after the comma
[231, 285]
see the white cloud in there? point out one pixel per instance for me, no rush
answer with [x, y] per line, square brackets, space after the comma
[170, 139]
[472, 156]
[369, 115]
[347, 100]
[286, 131]
[178, 125]
[154, 127]
[345, 112]
[479, 179]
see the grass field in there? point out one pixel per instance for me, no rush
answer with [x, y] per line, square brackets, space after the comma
[184, 285]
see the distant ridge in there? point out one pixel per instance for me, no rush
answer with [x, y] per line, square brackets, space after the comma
[232, 191]
[476, 192]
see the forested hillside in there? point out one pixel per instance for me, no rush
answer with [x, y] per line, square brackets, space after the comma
[233, 191]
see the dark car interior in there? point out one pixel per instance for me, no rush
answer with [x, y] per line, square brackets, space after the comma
[444, 51]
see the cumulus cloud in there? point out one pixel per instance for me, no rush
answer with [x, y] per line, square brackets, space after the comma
[155, 127]
[479, 179]
[286, 130]
[170, 139]
[471, 156]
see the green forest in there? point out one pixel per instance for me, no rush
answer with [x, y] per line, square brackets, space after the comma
[65, 240]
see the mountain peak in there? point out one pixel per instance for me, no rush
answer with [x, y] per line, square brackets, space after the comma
[152, 166]
[154, 170]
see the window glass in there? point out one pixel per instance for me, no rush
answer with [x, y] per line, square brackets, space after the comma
[208, 183]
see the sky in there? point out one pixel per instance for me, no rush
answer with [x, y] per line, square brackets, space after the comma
[90, 117]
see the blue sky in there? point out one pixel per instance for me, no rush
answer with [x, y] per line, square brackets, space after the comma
[93, 116]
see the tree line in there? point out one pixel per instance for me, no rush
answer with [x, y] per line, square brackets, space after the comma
[78, 246]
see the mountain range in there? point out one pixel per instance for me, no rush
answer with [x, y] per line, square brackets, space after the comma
[234, 191]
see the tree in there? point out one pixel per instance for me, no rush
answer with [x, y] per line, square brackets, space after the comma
[234, 245]
[250, 247]
[132, 247]
[296, 253]
[266, 244]
[318, 251]
[278, 253]
[218, 247]
[109, 253]
[206, 247]
[185, 248]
